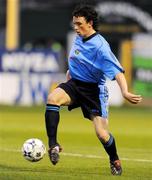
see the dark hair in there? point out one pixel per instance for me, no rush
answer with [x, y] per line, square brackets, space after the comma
[88, 13]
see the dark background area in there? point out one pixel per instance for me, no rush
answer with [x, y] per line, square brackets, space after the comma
[45, 21]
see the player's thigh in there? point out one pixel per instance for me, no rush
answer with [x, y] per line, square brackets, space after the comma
[59, 97]
[104, 123]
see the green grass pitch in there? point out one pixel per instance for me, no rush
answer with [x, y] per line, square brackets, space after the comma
[83, 156]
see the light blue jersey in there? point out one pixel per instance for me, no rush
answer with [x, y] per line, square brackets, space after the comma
[91, 60]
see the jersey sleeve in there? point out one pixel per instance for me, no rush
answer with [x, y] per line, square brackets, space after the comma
[110, 65]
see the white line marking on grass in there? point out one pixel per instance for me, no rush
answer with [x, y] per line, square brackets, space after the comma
[9, 150]
[100, 157]
[84, 156]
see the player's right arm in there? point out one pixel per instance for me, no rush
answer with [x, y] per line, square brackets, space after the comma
[133, 98]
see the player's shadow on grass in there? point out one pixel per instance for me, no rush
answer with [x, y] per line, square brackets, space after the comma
[4, 168]
[57, 170]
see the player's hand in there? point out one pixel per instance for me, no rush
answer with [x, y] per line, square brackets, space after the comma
[133, 98]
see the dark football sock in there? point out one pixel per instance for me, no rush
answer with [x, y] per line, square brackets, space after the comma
[51, 122]
[110, 148]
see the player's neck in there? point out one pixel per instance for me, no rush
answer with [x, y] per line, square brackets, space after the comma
[90, 33]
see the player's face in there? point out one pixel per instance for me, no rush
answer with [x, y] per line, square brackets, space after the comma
[82, 27]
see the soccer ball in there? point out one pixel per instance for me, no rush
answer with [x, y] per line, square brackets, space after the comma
[33, 149]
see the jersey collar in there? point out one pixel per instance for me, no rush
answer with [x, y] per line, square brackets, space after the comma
[86, 39]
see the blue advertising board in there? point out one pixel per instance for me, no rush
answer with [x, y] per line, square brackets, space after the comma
[26, 77]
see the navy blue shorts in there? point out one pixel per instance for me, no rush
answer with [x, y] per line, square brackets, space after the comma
[84, 95]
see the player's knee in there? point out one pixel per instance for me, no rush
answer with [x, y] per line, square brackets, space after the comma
[52, 100]
[103, 136]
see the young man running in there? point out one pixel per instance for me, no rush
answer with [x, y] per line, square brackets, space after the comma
[90, 62]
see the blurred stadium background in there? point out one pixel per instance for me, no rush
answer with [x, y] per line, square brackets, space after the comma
[35, 37]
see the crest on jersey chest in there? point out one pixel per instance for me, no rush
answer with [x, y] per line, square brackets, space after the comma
[76, 51]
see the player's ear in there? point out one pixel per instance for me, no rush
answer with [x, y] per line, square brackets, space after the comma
[91, 23]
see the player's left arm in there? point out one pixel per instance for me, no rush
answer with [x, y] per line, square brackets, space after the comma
[133, 98]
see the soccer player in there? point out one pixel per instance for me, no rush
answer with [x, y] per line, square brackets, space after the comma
[90, 62]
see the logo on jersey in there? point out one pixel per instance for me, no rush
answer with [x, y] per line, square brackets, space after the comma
[77, 51]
